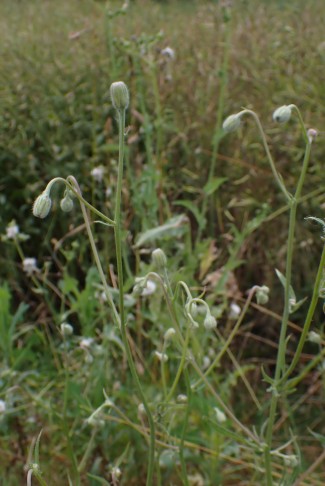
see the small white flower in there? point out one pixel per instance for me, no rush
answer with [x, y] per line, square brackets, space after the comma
[3, 406]
[168, 52]
[234, 311]
[108, 192]
[149, 289]
[98, 173]
[220, 416]
[30, 265]
[181, 398]
[86, 343]
[161, 356]
[12, 230]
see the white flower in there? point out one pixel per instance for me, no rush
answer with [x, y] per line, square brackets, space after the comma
[220, 416]
[30, 265]
[149, 289]
[3, 406]
[169, 334]
[98, 173]
[12, 231]
[168, 52]
[108, 192]
[234, 311]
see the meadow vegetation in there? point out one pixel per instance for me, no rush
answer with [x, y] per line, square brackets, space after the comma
[165, 325]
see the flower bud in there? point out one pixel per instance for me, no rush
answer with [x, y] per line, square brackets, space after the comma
[282, 114]
[262, 295]
[161, 356]
[312, 134]
[169, 334]
[119, 95]
[159, 259]
[66, 329]
[232, 123]
[210, 322]
[66, 204]
[220, 416]
[42, 205]
[182, 399]
[314, 337]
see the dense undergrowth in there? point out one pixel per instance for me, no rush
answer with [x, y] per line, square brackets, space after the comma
[208, 200]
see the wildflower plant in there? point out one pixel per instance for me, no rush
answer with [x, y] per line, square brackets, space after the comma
[280, 385]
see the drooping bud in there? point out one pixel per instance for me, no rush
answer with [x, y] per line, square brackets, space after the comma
[42, 205]
[220, 416]
[314, 337]
[159, 259]
[169, 334]
[312, 134]
[232, 123]
[119, 95]
[66, 204]
[210, 322]
[282, 114]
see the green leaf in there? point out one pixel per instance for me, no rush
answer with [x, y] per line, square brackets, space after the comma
[193, 208]
[174, 227]
[213, 185]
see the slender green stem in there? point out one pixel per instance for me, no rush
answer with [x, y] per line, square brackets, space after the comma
[96, 256]
[118, 246]
[229, 339]
[181, 366]
[308, 320]
[280, 362]
[268, 153]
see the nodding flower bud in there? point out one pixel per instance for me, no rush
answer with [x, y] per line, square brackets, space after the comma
[42, 205]
[66, 204]
[232, 123]
[282, 114]
[262, 295]
[159, 259]
[210, 322]
[119, 95]
[312, 134]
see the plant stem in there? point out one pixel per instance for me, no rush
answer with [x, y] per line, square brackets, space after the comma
[118, 246]
[280, 362]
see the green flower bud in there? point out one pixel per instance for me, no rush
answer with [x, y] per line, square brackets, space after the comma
[232, 123]
[119, 95]
[282, 114]
[42, 205]
[66, 204]
[262, 295]
[210, 322]
[159, 259]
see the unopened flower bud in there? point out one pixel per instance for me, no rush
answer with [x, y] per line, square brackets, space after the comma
[314, 337]
[182, 399]
[119, 95]
[159, 259]
[232, 123]
[169, 334]
[312, 134]
[262, 295]
[42, 205]
[66, 329]
[282, 114]
[220, 416]
[210, 322]
[66, 204]
[161, 356]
